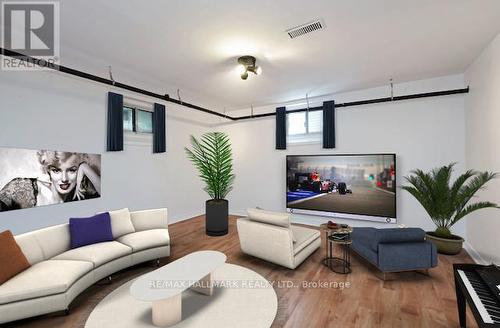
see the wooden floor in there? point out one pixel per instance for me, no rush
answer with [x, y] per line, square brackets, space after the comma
[408, 300]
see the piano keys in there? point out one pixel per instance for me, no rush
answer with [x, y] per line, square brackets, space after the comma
[473, 286]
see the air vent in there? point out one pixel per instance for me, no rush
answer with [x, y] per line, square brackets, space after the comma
[305, 28]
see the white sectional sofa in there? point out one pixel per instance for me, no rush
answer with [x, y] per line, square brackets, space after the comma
[58, 274]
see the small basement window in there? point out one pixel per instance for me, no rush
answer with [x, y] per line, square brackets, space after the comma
[137, 120]
[305, 127]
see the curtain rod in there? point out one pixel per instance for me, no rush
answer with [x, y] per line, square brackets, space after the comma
[166, 97]
[366, 102]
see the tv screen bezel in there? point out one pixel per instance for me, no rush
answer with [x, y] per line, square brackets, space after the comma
[366, 216]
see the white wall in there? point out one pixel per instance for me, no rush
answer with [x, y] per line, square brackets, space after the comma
[48, 110]
[424, 134]
[482, 108]
[53, 111]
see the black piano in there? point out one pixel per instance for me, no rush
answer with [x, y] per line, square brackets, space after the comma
[478, 285]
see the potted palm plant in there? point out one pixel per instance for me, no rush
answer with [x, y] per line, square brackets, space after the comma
[211, 155]
[447, 203]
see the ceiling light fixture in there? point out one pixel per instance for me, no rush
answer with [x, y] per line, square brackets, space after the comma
[247, 64]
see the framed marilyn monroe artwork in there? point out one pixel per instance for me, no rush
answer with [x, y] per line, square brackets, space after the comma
[31, 178]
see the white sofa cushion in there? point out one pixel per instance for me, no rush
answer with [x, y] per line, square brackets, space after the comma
[30, 247]
[121, 223]
[269, 217]
[141, 240]
[274, 243]
[52, 240]
[150, 219]
[266, 241]
[304, 236]
[42, 279]
[98, 254]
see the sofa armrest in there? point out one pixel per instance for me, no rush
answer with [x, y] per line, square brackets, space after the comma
[399, 235]
[371, 237]
[150, 219]
[269, 242]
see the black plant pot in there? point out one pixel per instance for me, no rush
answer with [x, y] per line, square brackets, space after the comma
[216, 217]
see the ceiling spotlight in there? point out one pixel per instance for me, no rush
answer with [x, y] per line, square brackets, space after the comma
[241, 69]
[247, 64]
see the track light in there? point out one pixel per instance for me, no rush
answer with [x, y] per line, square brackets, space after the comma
[247, 64]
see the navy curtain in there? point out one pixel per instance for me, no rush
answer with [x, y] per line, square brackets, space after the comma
[159, 131]
[115, 122]
[329, 124]
[281, 128]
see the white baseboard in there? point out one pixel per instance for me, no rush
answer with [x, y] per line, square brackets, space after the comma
[310, 220]
[238, 212]
[315, 220]
[184, 217]
[474, 254]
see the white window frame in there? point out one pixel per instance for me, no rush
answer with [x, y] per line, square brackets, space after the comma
[135, 138]
[303, 138]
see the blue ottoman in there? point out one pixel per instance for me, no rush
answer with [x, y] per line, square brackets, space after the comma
[395, 249]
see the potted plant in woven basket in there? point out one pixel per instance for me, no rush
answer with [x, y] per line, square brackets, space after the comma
[212, 156]
[448, 202]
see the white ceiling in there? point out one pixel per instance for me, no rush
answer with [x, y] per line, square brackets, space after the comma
[193, 45]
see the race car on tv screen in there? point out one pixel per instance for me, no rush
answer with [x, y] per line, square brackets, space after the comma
[313, 182]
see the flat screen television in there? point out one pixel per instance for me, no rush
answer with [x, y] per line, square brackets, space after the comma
[349, 186]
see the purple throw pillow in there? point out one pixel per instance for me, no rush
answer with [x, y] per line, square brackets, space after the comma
[91, 230]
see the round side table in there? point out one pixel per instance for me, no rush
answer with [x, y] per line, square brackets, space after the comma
[342, 238]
